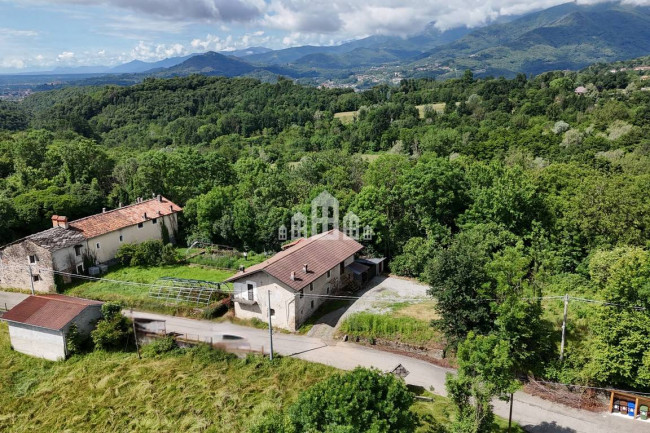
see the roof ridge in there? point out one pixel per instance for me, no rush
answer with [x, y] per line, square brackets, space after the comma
[293, 249]
[116, 209]
[65, 298]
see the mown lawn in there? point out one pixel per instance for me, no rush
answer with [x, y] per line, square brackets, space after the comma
[187, 391]
[135, 296]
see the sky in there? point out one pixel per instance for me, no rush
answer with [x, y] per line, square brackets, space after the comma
[47, 34]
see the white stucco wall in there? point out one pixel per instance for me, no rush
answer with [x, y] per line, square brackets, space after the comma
[87, 320]
[291, 310]
[37, 342]
[282, 301]
[110, 242]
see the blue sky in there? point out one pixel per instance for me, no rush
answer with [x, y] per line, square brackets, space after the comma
[45, 34]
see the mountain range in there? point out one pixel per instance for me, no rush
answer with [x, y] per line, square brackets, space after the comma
[568, 36]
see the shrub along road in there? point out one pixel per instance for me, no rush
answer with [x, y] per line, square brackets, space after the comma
[532, 413]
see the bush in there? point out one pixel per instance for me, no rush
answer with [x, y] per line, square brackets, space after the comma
[160, 346]
[215, 311]
[113, 330]
[125, 253]
[358, 401]
[75, 341]
[148, 253]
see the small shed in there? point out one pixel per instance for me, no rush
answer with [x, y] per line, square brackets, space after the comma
[359, 272]
[375, 265]
[632, 405]
[38, 325]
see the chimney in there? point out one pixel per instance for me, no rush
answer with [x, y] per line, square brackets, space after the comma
[63, 222]
[119, 205]
[145, 215]
[103, 210]
[159, 197]
[305, 269]
[293, 276]
[171, 208]
[55, 220]
[242, 268]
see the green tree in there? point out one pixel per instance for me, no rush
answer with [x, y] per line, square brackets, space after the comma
[485, 371]
[358, 401]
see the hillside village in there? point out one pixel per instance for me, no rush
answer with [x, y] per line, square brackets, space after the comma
[434, 222]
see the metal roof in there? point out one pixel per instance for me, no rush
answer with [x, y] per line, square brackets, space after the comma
[48, 311]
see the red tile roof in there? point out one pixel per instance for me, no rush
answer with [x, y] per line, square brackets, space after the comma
[101, 223]
[320, 252]
[48, 311]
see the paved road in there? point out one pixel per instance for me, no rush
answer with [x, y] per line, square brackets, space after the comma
[534, 414]
[9, 300]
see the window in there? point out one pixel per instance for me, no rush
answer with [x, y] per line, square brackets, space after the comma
[77, 250]
[312, 303]
[80, 269]
[33, 259]
[121, 238]
[329, 273]
[302, 294]
[342, 268]
[140, 225]
[36, 278]
[97, 244]
[311, 287]
[272, 312]
[154, 221]
[250, 288]
[328, 288]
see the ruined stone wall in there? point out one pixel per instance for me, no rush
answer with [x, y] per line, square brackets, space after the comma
[14, 267]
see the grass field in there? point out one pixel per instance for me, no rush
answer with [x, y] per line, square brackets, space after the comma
[187, 391]
[439, 108]
[406, 330]
[346, 116]
[137, 296]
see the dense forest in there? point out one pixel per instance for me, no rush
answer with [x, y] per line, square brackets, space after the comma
[503, 192]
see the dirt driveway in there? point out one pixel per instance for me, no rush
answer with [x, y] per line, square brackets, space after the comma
[378, 297]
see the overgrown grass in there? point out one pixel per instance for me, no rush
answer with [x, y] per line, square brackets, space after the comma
[399, 329]
[193, 390]
[228, 261]
[439, 108]
[135, 296]
[441, 411]
[346, 117]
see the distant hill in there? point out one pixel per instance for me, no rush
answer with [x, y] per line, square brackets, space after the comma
[209, 63]
[568, 36]
[137, 66]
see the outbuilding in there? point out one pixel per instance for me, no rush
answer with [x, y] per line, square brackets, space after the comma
[38, 326]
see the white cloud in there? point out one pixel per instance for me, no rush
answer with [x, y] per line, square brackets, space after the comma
[17, 33]
[148, 51]
[12, 63]
[65, 56]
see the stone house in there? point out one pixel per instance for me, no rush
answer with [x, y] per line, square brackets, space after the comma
[299, 278]
[69, 246]
[38, 326]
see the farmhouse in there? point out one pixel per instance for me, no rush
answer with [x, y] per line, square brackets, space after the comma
[299, 278]
[38, 326]
[70, 246]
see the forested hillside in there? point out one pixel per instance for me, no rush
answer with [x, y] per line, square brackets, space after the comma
[516, 189]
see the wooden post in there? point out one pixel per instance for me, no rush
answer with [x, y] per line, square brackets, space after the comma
[270, 328]
[512, 397]
[611, 401]
[636, 407]
[31, 279]
[137, 346]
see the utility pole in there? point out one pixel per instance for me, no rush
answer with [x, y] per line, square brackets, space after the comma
[566, 309]
[31, 279]
[512, 397]
[270, 328]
